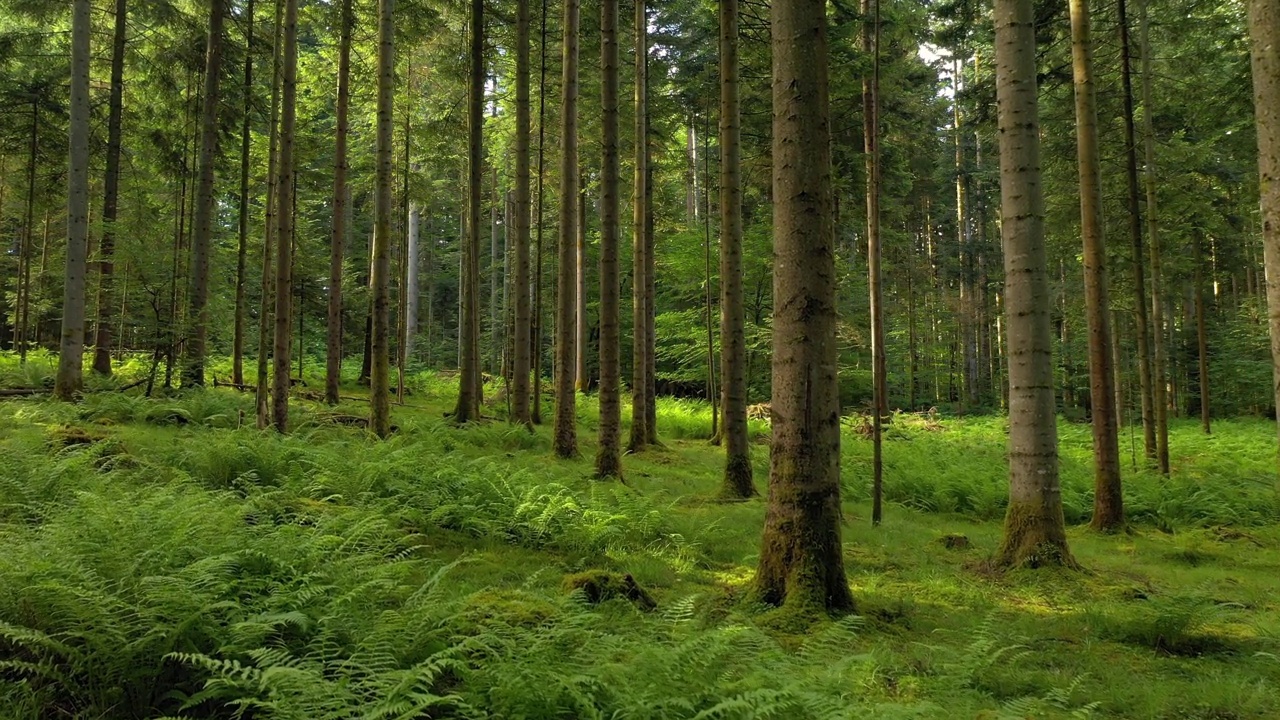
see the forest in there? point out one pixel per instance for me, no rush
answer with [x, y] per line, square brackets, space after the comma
[684, 359]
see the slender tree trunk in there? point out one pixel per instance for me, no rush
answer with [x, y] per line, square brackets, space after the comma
[285, 189]
[522, 330]
[22, 304]
[202, 224]
[801, 561]
[733, 346]
[111, 192]
[707, 291]
[535, 415]
[68, 381]
[609, 455]
[1142, 326]
[468, 407]
[1034, 532]
[871, 141]
[413, 244]
[566, 429]
[333, 326]
[1158, 363]
[582, 377]
[495, 276]
[266, 304]
[242, 244]
[650, 280]
[1264, 31]
[1117, 369]
[639, 314]
[1108, 501]
[1202, 336]
[380, 277]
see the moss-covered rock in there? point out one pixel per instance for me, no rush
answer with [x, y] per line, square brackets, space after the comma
[600, 585]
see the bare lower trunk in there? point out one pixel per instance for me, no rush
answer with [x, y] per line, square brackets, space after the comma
[609, 456]
[266, 304]
[111, 192]
[1264, 30]
[1034, 531]
[468, 407]
[871, 142]
[68, 381]
[535, 411]
[566, 429]
[581, 377]
[1202, 338]
[801, 561]
[1159, 367]
[522, 326]
[333, 325]
[380, 278]
[639, 196]
[285, 187]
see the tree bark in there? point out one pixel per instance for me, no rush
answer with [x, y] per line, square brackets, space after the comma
[609, 455]
[22, 303]
[535, 411]
[280, 381]
[871, 143]
[1108, 501]
[380, 277]
[522, 330]
[1034, 532]
[1202, 336]
[733, 345]
[581, 375]
[468, 406]
[111, 193]
[801, 562]
[1159, 400]
[266, 304]
[565, 431]
[1264, 32]
[333, 326]
[202, 223]
[242, 241]
[68, 381]
[639, 195]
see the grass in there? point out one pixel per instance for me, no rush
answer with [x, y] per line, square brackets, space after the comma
[165, 559]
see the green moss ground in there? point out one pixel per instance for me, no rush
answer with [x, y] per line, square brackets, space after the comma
[174, 562]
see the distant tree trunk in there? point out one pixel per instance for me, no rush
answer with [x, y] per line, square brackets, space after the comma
[1034, 532]
[22, 303]
[582, 376]
[523, 325]
[535, 415]
[285, 188]
[333, 325]
[468, 406]
[1159, 400]
[639, 313]
[412, 242]
[708, 305]
[733, 346]
[68, 381]
[242, 242]
[111, 193]
[801, 561]
[566, 430]
[266, 304]
[1264, 30]
[495, 276]
[1142, 326]
[871, 138]
[380, 276]
[202, 224]
[650, 285]
[609, 455]
[1202, 336]
[1117, 369]
[1108, 500]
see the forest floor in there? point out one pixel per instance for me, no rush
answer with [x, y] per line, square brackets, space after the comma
[163, 558]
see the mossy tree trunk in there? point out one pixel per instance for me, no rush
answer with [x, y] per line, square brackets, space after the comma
[565, 432]
[801, 562]
[68, 381]
[523, 325]
[1034, 532]
[609, 455]
[639, 196]
[468, 407]
[1264, 30]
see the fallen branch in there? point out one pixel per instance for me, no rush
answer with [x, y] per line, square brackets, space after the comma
[23, 392]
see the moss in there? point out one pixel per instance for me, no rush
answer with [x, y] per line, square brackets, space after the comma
[598, 586]
[1034, 537]
[506, 607]
[71, 435]
[954, 541]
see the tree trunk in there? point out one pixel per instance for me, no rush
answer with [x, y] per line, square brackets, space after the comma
[609, 455]
[707, 291]
[1264, 31]
[68, 381]
[22, 303]
[411, 282]
[1108, 501]
[242, 243]
[1034, 532]
[523, 325]
[111, 193]
[801, 561]
[1202, 336]
[333, 326]
[535, 414]
[468, 406]
[495, 276]
[1117, 370]
[582, 377]
[1159, 401]
[733, 346]
[650, 282]
[639, 364]
[380, 276]
[565, 429]
[266, 303]
[285, 188]
[202, 224]
[871, 142]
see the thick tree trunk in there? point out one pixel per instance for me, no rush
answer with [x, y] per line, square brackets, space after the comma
[1034, 532]
[380, 277]
[1108, 501]
[468, 407]
[639, 195]
[333, 325]
[111, 194]
[68, 381]
[285, 188]
[523, 325]
[266, 304]
[1159, 400]
[566, 429]
[871, 143]
[733, 346]
[202, 223]
[801, 561]
[1142, 329]
[609, 455]
[1264, 31]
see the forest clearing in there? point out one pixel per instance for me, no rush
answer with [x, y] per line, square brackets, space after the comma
[159, 560]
